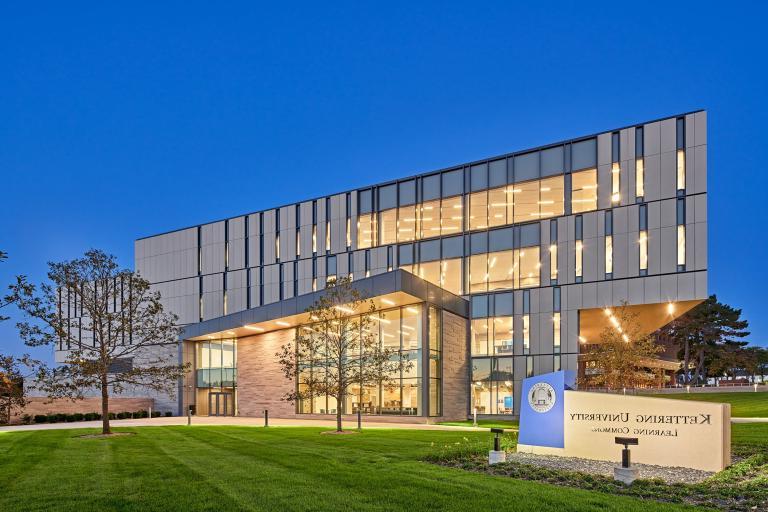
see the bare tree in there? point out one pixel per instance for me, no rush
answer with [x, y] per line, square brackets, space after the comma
[339, 349]
[622, 357]
[115, 319]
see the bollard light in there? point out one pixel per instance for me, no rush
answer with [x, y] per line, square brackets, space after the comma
[266, 417]
[625, 473]
[497, 455]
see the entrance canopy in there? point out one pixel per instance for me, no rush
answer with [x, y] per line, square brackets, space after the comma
[391, 289]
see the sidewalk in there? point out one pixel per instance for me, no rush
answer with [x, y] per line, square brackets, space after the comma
[232, 420]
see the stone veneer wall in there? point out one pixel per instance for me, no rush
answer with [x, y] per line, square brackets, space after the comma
[455, 367]
[42, 405]
[261, 383]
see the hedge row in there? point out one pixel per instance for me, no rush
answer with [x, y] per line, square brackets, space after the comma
[90, 416]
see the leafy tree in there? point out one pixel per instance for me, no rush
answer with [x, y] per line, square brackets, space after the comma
[621, 358]
[121, 321]
[340, 348]
[701, 332]
[13, 372]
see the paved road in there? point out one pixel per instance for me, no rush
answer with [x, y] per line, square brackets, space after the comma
[229, 420]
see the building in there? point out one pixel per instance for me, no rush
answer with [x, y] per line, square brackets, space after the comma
[485, 273]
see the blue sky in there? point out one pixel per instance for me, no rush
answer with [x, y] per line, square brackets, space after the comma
[123, 120]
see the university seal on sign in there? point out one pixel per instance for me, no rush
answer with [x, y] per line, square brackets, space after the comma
[541, 397]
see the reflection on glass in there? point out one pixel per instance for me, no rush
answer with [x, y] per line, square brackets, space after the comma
[497, 206]
[525, 200]
[479, 337]
[643, 250]
[406, 224]
[680, 169]
[529, 267]
[388, 226]
[552, 197]
[579, 258]
[429, 219]
[584, 191]
[639, 177]
[451, 216]
[608, 254]
[502, 335]
[478, 210]
[615, 182]
[366, 232]
[681, 245]
[451, 275]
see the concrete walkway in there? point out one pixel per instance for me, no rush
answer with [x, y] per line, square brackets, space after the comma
[749, 420]
[230, 420]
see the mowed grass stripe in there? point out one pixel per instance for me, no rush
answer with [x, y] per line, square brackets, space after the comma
[247, 468]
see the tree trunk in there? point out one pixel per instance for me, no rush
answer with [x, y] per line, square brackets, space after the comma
[338, 414]
[105, 409]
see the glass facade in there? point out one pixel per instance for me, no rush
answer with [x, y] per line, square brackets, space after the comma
[216, 377]
[398, 329]
[493, 385]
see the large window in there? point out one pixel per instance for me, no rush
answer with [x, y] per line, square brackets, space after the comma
[406, 223]
[492, 385]
[398, 329]
[492, 336]
[518, 268]
[584, 191]
[446, 273]
[215, 364]
[451, 216]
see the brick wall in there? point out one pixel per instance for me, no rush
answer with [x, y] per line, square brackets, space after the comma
[41, 405]
[455, 367]
[261, 383]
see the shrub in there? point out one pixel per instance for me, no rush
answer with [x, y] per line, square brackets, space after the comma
[41, 418]
[140, 414]
[123, 415]
[112, 416]
[26, 419]
[69, 418]
[156, 414]
[168, 414]
[78, 416]
[91, 416]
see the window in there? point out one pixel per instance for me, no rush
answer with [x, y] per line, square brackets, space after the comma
[553, 251]
[680, 145]
[406, 224]
[681, 170]
[639, 164]
[525, 201]
[451, 275]
[551, 202]
[429, 219]
[451, 217]
[615, 167]
[366, 232]
[643, 242]
[579, 256]
[608, 244]
[478, 210]
[349, 232]
[497, 206]
[518, 268]
[584, 191]
[277, 246]
[388, 226]
[298, 243]
[526, 322]
[529, 366]
[492, 385]
[681, 234]
[327, 235]
[615, 183]
[556, 332]
[314, 239]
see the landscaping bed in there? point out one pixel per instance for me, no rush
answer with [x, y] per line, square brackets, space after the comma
[90, 416]
[743, 486]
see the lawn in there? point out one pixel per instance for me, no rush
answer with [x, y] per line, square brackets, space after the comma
[510, 424]
[743, 405]
[252, 468]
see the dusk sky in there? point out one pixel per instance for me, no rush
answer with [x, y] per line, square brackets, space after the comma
[118, 121]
